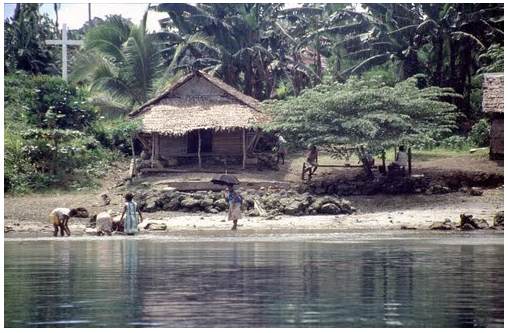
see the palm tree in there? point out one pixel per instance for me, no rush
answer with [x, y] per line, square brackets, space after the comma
[242, 45]
[120, 60]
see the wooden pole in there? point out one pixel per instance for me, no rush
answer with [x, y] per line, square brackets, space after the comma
[383, 158]
[153, 150]
[132, 170]
[409, 158]
[199, 148]
[244, 152]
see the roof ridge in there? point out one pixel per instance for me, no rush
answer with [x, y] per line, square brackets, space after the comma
[231, 91]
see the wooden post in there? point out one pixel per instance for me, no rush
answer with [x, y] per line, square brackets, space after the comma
[132, 170]
[383, 158]
[409, 158]
[153, 150]
[199, 148]
[244, 152]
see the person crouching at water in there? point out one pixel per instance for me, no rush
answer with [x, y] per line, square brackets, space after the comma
[129, 211]
[104, 223]
[235, 206]
[59, 217]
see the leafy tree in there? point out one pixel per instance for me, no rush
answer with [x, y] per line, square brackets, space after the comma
[365, 112]
[24, 41]
[48, 137]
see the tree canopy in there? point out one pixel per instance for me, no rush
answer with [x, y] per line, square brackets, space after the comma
[365, 112]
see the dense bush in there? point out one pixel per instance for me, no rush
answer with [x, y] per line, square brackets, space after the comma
[480, 134]
[49, 135]
[365, 112]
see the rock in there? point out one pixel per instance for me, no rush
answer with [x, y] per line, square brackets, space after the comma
[481, 224]
[467, 227]
[156, 226]
[172, 205]
[442, 226]
[150, 204]
[252, 213]
[190, 203]
[82, 212]
[499, 218]
[220, 204]
[345, 206]
[207, 202]
[405, 227]
[475, 191]
[91, 231]
[211, 210]
[330, 208]
[294, 208]
[106, 200]
[437, 189]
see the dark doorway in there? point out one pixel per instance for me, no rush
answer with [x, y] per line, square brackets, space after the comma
[206, 141]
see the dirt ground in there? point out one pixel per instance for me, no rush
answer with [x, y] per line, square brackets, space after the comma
[29, 212]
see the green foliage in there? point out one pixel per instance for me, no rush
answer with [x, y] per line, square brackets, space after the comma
[116, 134]
[365, 112]
[480, 134]
[46, 102]
[492, 60]
[454, 142]
[122, 60]
[49, 138]
[24, 41]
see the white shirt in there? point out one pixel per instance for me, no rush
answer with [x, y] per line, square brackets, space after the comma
[402, 159]
[61, 212]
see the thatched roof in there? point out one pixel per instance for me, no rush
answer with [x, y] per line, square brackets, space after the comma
[493, 93]
[172, 114]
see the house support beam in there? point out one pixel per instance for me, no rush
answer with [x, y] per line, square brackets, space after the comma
[153, 150]
[199, 148]
[244, 151]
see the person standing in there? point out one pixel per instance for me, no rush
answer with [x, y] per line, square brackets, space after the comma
[234, 201]
[281, 148]
[311, 163]
[130, 211]
[59, 218]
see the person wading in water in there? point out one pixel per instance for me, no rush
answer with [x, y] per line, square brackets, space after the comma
[129, 211]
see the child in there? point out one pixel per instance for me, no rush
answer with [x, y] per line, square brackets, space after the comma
[235, 206]
[59, 217]
[129, 211]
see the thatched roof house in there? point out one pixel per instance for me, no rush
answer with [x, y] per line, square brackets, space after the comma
[493, 105]
[199, 117]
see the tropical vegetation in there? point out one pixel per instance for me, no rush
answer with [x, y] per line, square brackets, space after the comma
[412, 72]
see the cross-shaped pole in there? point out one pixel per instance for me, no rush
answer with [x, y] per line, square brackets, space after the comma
[64, 42]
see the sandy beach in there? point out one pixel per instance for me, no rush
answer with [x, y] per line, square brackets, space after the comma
[27, 215]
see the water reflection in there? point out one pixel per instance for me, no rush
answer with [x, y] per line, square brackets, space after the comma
[134, 283]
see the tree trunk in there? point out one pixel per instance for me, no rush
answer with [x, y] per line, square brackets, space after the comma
[453, 55]
[438, 75]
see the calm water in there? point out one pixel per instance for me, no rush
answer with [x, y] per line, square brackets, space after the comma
[405, 279]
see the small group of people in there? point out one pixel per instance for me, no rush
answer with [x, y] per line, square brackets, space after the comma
[59, 218]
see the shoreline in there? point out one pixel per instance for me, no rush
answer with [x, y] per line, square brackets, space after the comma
[414, 213]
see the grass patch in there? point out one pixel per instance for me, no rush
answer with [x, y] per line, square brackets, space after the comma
[426, 155]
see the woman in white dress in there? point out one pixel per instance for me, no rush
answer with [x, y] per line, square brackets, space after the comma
[129, 211]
